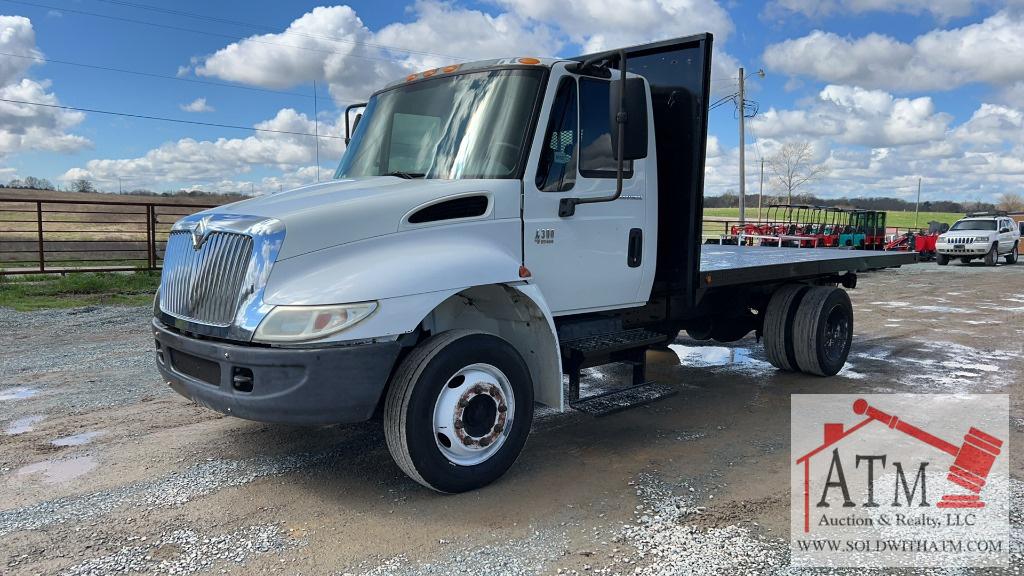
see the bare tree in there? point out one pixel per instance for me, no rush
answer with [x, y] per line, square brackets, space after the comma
[82, 185]
[1011, 202]
[793, 166]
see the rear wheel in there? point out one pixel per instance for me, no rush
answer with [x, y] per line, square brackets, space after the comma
[992, 255]
[778, 326]
[941, 259]
[823, 331]
[459, 410]
[1011, 258]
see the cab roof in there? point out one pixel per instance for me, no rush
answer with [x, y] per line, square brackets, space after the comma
[477, 65]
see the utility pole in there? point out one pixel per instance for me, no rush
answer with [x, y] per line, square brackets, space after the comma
[760, 193]
[119, 190]
[743, 175]
[917, 207]
[316, 133]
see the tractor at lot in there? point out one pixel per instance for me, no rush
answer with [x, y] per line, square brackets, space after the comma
[922, 241]
[853, 235]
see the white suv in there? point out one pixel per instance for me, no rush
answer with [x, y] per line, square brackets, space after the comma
[979, 236]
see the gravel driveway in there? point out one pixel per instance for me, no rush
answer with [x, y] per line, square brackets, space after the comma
[104, 470]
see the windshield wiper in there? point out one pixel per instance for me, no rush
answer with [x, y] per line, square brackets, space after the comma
[406, 175]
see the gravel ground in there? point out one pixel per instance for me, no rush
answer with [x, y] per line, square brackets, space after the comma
[103, 470]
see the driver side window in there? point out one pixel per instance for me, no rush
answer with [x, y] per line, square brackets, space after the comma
[556, 171]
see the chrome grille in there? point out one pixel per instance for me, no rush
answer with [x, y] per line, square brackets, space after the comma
[959, 240]
[203, 285]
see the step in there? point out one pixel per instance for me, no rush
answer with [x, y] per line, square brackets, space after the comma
[618, 400]
[613, 342]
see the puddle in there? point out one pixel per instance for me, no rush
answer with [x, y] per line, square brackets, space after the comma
[59, 471]
[704, 356]
[944, 309]
[22, 425]
[77, 439]
[17, 393]
[849, 371]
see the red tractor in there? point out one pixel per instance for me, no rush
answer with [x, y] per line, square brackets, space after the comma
[922, 242]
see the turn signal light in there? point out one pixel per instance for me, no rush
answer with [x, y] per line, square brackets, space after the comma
[530, 61]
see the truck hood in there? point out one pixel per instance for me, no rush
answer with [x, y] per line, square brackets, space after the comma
[342, 211]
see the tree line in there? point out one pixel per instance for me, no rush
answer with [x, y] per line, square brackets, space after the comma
[1010, 202]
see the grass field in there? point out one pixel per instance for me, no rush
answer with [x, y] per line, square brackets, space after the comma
[81, 289]
[892, 219]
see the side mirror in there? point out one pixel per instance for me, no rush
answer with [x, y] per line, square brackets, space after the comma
[349, 131]
[635, 141]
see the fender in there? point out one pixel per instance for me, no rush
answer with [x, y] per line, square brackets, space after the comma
[408, 273]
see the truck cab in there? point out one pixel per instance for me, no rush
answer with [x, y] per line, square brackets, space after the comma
[492, 226]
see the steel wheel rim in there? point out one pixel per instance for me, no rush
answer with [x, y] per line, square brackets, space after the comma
[837, 328]
[473, 414]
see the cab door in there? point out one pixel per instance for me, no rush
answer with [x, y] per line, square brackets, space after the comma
[599, 257]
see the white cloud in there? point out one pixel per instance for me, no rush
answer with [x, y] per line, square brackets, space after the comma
[990, 51]
[941, 9]
[217, 161]
[197, 105]
[600, 24]
[852, 115]
[24, 126]
[331, 44]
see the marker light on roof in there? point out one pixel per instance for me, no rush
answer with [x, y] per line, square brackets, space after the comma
[410, 77]
[529, 61]
[449, 69]
[430, 73]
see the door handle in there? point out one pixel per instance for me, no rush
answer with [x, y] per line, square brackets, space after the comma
[636, 247]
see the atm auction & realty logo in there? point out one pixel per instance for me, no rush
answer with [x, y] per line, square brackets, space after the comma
[899, 480]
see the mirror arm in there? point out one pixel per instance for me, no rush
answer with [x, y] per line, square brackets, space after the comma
[567, 206]
[348, 135]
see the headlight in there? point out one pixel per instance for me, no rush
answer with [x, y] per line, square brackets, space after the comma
[981, 239]
[300, 323]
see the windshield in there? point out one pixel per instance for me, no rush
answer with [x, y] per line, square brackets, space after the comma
[974, 225]
[464, 126]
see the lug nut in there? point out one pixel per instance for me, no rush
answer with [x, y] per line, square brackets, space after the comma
[502, 408]
[458, 424]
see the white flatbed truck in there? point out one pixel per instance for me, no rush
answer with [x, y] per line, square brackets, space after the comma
[492, 226]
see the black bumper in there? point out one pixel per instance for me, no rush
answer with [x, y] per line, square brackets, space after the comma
[289, 386]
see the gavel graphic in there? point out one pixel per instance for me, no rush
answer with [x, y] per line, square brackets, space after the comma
[972, 461]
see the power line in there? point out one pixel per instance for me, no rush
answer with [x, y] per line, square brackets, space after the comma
[265, 27]
[151, 74]
[177, 120]
[193, 30]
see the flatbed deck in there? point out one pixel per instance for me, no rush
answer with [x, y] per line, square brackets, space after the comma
[732, 265]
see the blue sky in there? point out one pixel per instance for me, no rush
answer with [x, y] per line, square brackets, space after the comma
[884, 92]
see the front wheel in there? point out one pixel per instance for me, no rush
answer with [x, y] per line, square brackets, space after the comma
[458, 410]
[992, 256]
[941, 259]
[1011, 258]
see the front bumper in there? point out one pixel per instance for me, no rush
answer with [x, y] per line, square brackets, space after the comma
[975, 249]
[286, 385]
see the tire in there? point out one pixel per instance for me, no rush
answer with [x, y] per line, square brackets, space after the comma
[730, 332]
[941, 259]
[428, 380]
[1011, 258]
[992, 255]
[778, 326]
[823, 331]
